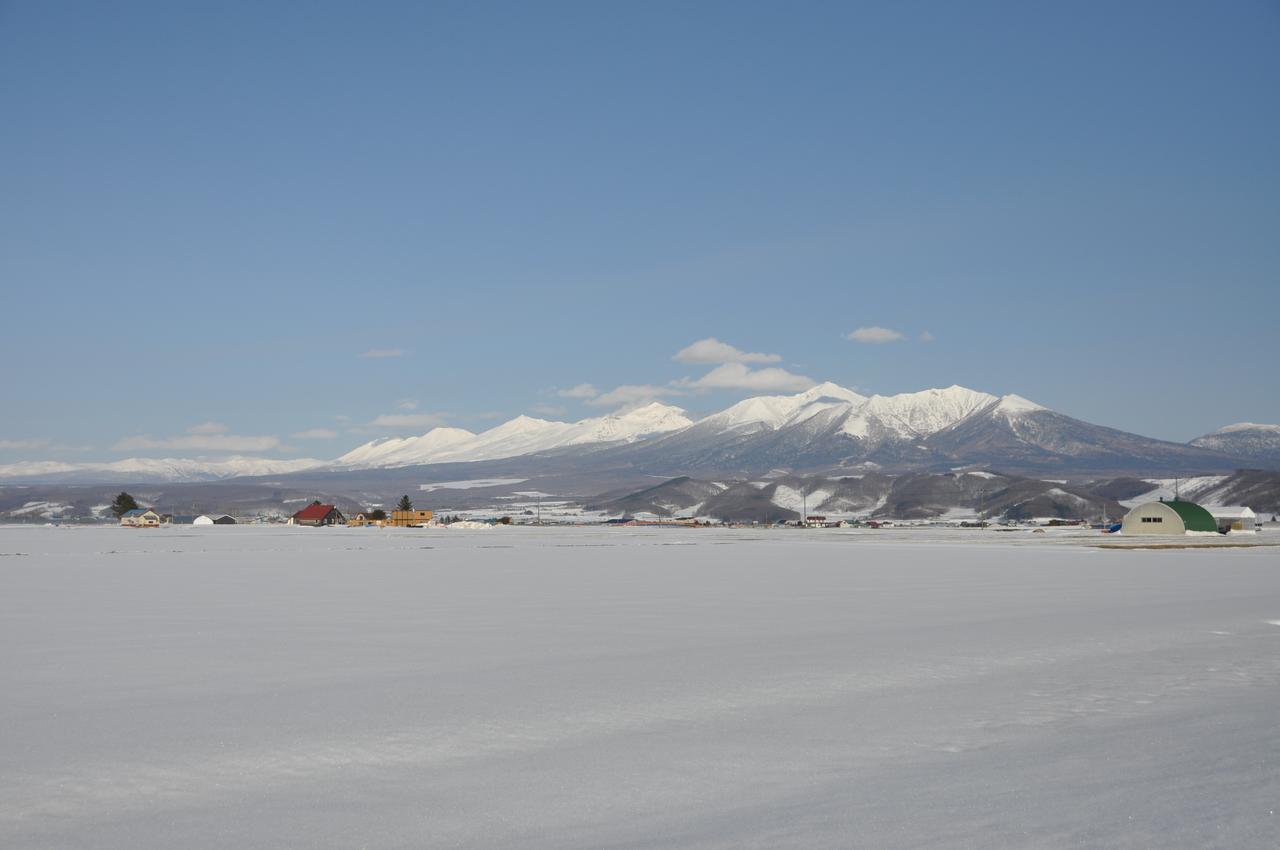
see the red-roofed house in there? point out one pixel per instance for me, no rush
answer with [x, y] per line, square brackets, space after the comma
[318, 515]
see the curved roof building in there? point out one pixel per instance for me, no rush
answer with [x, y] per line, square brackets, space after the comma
[1172, 517]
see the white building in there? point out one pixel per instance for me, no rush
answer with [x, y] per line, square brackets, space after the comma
[1234, 518]
[1171, 517]
[214, 519]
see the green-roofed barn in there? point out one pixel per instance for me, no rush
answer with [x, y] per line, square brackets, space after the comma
[1172, 517]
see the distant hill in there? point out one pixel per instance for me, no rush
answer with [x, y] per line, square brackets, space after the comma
[1257, 444]
[911, 496]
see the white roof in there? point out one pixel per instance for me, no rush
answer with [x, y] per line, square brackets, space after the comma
[1230, 511]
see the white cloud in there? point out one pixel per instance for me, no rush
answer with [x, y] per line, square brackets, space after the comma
[407, 420]
[201, 442]
[41, 443]
[407, 404]
[925, 336]
[204, 436]
[383, 352]
[736, 376]
[632, 394]
[580, 391]
[549, 410]
[874, 334]
[712, 350]
[24, 444]
[315, 434]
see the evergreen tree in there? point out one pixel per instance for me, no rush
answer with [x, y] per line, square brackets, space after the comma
[404, 504]
[377, 513]
[123, 504]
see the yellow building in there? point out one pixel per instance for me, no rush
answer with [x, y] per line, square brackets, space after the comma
[405, 519]
[140, 518]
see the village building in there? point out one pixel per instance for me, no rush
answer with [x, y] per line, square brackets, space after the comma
[214, 519]
[317, 515]
[140, 518]
[1235, 518]
[1172, 517]
[408, 519]
[366, 518]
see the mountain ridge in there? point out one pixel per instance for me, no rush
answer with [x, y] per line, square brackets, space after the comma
[825, 428]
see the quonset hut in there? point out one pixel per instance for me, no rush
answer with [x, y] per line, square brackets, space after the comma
[1172, 517]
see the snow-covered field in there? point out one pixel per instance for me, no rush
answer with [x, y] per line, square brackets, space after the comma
[581, 688]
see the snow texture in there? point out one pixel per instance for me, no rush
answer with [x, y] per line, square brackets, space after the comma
[243, 686]
[160, 469]
[522, 435]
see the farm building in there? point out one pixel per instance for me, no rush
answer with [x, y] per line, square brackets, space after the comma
[366, 518]
[1232, 518]
[318, 514]
[140, 518]
[1172, 517]
[214, 519]
[405, 519]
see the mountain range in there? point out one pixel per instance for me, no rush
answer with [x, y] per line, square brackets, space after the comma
[825, 429]
[915, 496]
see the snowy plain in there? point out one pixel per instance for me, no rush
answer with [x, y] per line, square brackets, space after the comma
[243, 687]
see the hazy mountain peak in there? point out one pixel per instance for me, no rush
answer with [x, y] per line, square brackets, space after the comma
[827, 389]
[1254, 442]
[1016, 405]
[1247, 426]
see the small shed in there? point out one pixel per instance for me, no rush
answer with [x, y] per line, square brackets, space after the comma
[1234, 518]
[1172, 517]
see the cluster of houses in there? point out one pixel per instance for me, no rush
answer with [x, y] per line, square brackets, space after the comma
[318, 514]
[1163, 517]
[147, 518]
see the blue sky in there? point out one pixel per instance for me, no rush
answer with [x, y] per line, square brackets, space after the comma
[209, 212]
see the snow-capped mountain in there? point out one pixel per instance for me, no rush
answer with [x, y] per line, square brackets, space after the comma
[823, 429]
[830, 428]
[771, 412]
[914, 415]
[394, 451]
[145, 469]
[1248, 440]
[1017, 434]
[520, 436]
